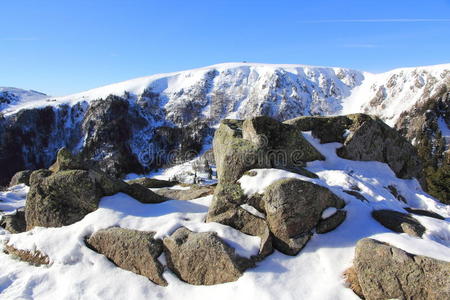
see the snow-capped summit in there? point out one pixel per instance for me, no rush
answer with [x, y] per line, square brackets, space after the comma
[10, 96]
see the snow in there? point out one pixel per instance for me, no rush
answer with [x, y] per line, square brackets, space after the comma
[315, 273]
[19, 96]
[328, 212]
[240, 90]
[13, 198]
[400, 89]
[253, 210]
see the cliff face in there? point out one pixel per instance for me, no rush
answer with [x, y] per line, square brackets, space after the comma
[139, 124]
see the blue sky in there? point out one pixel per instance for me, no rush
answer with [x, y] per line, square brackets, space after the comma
[61, 47]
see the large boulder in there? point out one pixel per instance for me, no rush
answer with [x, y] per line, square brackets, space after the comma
[132, 250]
[203, 258]
[21, 177]
[399, 222]
[293, 209]
[65, 197]
[259, 142]
[387, 272]
[365, 138]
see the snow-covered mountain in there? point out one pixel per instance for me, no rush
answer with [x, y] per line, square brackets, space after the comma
[162, 112]
[10, 96]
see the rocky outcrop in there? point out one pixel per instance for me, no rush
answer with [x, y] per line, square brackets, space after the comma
[21, 177]
[387, 272]
[365, 138]
[132, 250]
[66, 196]
[152, 182]
[399, 222]
[294, 208]
[14, 223]
[194, 192]
[203, 258]
[260, 142]
[424, 125]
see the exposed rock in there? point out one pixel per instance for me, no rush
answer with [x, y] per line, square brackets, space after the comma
[193, 193]
[143, 194]
[329, 224]
[37, 176]
[132, 250]
[108, 126]
[357, 195]
[422, 212]
[387, 272]
[66, 161]
[399, 222]
[371, 139]
[396, 193]
[326, 129]
[153, 183]
[65, 197]
[423, 125]
[351, 280]
[293, 208]
[33, 257]
[21, 177]
[203, 258]
[365, 138]
[62, 199]
[14, 223]
[225, 209]
[260, 142]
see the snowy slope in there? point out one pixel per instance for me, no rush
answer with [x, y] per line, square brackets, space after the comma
[241, 90]
[11, 97]
[389, 94]
[76, 272]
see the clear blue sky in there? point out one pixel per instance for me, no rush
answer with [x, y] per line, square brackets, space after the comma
[61, 47]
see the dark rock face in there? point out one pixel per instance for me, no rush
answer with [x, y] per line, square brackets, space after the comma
[420, 125]
[132, 250]
[398, 222]
[293, 208]
[30, 139]
[386, 272]
[122, 135]
[21, 177]
[108, 129]
[203, 258]
[14, 223]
